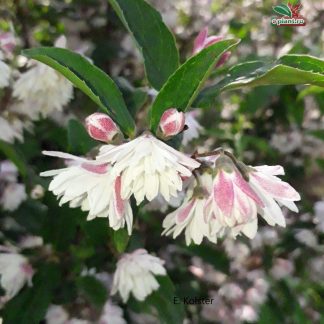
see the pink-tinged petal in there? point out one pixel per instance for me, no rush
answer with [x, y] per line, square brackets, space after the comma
[27, 269]
[200, 40]
[243, 204]
[275, 187]
[224, 193]
[208, 209]
[212, 40]
[99, 169]
[119, 203]
[270, 169]
[184, 212]
[245, 187]
[223, 59]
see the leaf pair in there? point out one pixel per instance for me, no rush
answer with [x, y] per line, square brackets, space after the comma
[179, 85]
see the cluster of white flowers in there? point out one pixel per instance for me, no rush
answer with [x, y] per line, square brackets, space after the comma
[224, 197]
[38, 91]
[42, 88]
[144, 167]
[233, 302]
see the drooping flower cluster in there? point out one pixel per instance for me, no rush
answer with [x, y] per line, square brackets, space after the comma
[135, 274]
[144, 167]
[227, 199]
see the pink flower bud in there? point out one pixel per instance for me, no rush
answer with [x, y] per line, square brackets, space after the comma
[223, 59]
[101, 127]
[7, 42]
[172, 122]
[203, 40]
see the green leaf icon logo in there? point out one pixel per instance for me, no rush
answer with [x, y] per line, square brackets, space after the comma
[283, 10]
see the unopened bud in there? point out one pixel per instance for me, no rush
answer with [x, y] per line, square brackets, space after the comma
[172, 122]
[101, 127]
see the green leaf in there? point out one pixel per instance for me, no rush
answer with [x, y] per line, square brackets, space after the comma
[155, 41]
[93, 290]
[59, 220]
[135, 98]
[10, 152]
[183, 86]
[120, 239]
[308, 91]
[79, 140]
[207, 96]
[30, 305]
[88, 78]
[290, 69]
[282, 10]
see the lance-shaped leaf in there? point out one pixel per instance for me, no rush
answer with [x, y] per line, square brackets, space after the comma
[155, 41]
[183, 86]
[290, 69]
[282, 10]
[88, 78]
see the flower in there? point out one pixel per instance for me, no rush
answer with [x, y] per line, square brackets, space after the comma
[4, 72]
[37, 192]
[148, 167]
[190, 215]
[273, 193]
[42, 88]
[233, 203]
[111, 314]
[12, 129]
[203, 40]
[172, 122]
[12, 196]
[91, 186]
[13, 193]
[7, 42]
[194, 128]
[231, 291]
[306, 237]
[101, 127]
[15, 271]
[281, 268]
[319, 215]
[246, 313]
[135, 274]
[56, 314]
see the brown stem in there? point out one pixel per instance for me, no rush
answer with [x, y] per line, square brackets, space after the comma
[213, 153]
